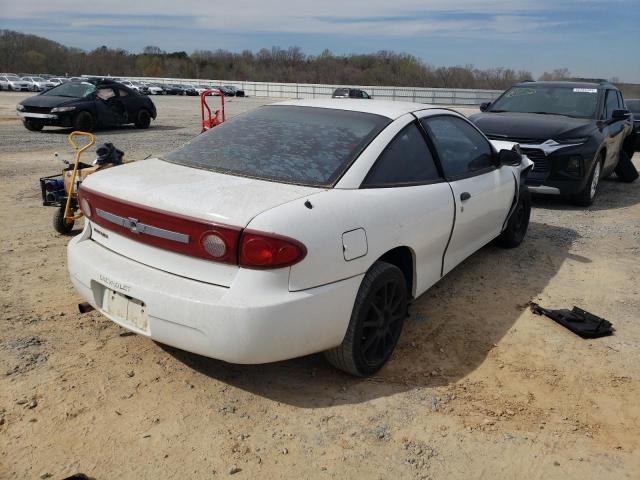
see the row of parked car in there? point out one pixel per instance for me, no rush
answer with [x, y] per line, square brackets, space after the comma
[147, 88]
[39, 83]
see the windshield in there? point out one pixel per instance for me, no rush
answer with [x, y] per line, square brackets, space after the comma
[570, 101]
[13, 78]
[38, 79]
[72, 89]
[633, 105]
[288, 144]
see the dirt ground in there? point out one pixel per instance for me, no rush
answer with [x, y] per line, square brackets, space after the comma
[478, 387]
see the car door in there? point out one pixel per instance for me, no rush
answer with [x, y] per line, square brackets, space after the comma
[613, 130]
[482, 190]
[108, 109]
[413, 199]
[129, 103]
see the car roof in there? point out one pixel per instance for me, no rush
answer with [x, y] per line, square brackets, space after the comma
[385, 108]
[603, 85]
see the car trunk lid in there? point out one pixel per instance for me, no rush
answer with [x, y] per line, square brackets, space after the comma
[149, 209]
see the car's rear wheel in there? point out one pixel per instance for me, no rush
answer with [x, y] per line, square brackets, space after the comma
[61, 224]
[518, 223]
[33, 126]
[376, 322]
[143, 119]
[587, 195]
[84, 122]
[625, 170]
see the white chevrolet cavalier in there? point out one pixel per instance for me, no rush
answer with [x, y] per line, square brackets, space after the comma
[295, 228]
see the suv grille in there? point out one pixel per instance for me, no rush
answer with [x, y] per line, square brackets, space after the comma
[540, 161]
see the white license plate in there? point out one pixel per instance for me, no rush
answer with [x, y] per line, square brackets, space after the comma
[129, 311]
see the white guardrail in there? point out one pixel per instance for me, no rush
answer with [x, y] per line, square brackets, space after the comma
[438, 96]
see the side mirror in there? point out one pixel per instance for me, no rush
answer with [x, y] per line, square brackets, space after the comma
[620, 115]
[485, 106]
[509, 157]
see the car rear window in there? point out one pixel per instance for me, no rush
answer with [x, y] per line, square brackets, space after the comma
[282, 143]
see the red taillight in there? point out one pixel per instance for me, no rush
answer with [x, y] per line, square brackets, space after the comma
[260, 250]
[191, 236]
[170, 231]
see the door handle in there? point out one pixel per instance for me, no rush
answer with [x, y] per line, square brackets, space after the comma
[465, 196]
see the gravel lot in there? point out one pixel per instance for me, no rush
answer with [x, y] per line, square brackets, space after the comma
[478, 387]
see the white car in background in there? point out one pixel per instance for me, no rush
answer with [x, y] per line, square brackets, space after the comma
[130, 84]
[155, 89]
[314, 235]
[13, 83]
[38, 84]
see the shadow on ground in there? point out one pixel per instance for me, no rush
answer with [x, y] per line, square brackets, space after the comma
[450, 331]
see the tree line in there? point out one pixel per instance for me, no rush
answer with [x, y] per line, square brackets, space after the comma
[26, 53]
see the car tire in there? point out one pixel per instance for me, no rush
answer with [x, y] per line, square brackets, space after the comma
[60, 224]
[33, 126]
[625, 170]
[143, 119]
[518, 223]
[587, 195]
[83, 122]
[376, 322]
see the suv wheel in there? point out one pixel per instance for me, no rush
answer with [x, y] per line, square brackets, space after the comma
[588, 194]
[376, 322]
[626, 170]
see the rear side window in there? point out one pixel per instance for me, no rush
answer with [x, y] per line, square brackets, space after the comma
[462, 150]
[406, 161]
[283, 143]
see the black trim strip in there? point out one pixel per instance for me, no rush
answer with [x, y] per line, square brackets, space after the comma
[453, 225]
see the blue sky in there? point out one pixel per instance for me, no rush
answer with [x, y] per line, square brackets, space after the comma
[593, 38]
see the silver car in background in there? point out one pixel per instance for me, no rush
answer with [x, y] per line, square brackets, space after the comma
[13, 83]
[38, 84]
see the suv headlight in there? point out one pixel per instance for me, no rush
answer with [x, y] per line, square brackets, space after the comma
[20, 108]
[62, 109]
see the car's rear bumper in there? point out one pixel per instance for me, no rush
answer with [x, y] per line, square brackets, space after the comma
[256, 320]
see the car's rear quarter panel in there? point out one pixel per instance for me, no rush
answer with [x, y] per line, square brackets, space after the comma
[419, 218]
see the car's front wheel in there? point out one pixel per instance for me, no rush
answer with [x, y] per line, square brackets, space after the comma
[376, 322]
[587, 195]
[83, 121]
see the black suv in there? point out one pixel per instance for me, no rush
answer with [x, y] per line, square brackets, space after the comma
[575, 133]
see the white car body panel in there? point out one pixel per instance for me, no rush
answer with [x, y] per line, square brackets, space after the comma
[480, 218]
[252, 316]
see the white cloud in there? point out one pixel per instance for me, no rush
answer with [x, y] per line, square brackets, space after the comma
[400, 18]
